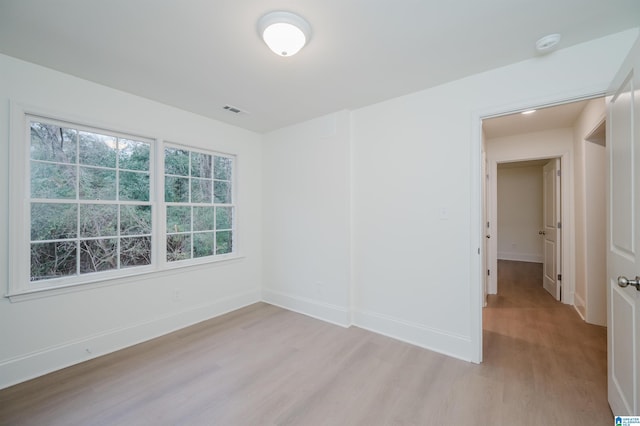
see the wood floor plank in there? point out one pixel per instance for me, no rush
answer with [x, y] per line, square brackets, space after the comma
[263, 365]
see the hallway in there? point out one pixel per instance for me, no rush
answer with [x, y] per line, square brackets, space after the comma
[554, 365]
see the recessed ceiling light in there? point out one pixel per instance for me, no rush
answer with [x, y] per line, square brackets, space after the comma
[548, 43]
[530, 111]
[284, 32]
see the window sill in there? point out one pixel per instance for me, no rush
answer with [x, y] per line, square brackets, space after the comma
[101, 281]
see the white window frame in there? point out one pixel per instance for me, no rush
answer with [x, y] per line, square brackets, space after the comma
[206, 259]
[20, 286]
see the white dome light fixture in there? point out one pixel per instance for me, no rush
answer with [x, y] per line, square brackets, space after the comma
[284, 32]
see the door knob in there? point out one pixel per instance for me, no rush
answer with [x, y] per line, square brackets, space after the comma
[541, 233]
[488, 236]
[623, 282]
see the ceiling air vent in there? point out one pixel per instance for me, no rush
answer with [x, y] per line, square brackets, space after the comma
[233, 109]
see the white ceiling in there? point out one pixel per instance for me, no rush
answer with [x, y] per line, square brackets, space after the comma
[520, 164]
[556, 117]
[200, 55]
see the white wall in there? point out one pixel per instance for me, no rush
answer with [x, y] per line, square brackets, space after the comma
[596, 241]
[416, 193]
[591, 178]
[306, 220]
[580, 296]
[415, 210]
[44, 334]
[519, 213]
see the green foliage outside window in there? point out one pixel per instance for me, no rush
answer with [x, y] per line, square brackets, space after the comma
[88, 191]
[199, 197]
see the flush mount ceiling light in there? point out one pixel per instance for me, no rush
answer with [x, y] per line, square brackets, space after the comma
[527, 112]
[284, 32]
[548, 43]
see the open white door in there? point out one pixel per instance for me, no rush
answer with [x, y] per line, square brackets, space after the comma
[623, 260]
[551, 227]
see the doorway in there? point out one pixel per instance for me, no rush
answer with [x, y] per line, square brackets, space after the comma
[561, 131]
[482, 168]
[528, 205]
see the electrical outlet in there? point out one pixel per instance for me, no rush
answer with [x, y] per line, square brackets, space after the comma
[177, 296]
[443, 213]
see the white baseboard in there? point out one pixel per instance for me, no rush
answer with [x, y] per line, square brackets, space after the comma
[433, 339]
[29, 366]
[520, 257]
[323, 311]
[415, 334]
[580, 306]
[35, 364]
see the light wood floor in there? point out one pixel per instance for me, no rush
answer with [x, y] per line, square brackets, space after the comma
[263, 365]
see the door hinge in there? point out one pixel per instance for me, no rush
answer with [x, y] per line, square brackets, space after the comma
[559, 225]
[487, 224]
[558, 172]
[488, 272]
[559, 277]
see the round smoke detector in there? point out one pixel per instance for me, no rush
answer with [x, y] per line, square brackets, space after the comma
[548, 43]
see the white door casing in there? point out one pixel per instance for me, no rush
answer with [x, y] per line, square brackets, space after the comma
[485, 221]
[623, 258]
[551, 229]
